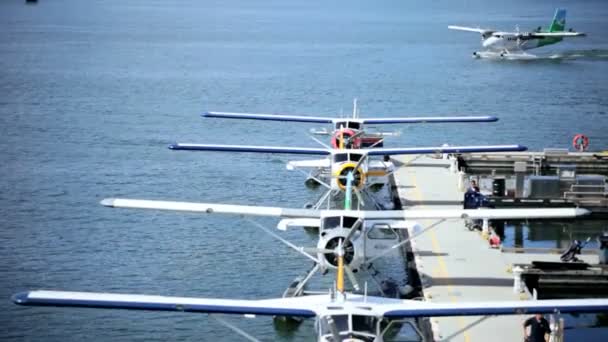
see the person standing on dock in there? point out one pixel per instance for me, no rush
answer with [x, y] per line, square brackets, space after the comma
[474, 186]
[539, 328]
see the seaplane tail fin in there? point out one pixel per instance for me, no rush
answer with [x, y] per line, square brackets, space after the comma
[269, 307]
[559, 21]
[417, 308]
[268, 117]
[446, 149]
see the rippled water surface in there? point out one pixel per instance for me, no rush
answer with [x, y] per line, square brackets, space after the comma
[91, 92]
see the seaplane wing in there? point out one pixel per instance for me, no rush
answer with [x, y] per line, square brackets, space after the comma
[308, 306]
[490, 214]
[557, 34]
[429, 119]
[411, 214]
[445, 149]
[426, 309]
[483, 32]
[249, 148]
[269, 117]
[210, 208]
[301, 307]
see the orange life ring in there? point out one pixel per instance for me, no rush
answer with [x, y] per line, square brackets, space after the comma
[580, 142]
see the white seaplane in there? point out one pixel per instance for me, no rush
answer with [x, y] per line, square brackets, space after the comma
[342, 161]
[352, 129]
[511, 45]
[366, 235]
[339, 315]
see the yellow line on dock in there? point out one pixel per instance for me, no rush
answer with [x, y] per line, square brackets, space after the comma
[443, 269]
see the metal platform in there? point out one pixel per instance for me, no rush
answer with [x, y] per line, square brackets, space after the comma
[456, 264]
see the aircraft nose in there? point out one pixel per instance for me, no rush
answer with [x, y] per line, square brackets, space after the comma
[487, 42]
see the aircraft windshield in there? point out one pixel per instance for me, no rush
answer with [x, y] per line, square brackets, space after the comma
[348, 124]
[362, 328]
[401, 331]
[355, 157]
[382, 231]
[349, 221]
[331, 222]
[340, 321]
[365, 324]
[340, 157]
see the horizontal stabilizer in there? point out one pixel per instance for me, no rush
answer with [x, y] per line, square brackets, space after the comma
[248, 148]
[268, 117]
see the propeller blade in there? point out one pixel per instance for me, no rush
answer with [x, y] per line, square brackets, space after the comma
[340, 272]
[354, 229]
[318, 250]
[352, 278]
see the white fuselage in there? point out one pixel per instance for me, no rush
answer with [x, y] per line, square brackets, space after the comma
[504, 41]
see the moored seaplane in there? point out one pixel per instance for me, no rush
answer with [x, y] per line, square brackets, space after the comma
[365, 235]
[351, 129]
[342, 161]
[511, 45]
[339, 315]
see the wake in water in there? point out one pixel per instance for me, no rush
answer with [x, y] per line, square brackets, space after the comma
[590, 54]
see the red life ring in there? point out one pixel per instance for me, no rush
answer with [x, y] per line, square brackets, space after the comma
[580, 142]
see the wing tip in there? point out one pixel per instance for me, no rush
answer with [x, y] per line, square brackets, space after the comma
[21, 298]
[108, 202]
[581, 212]
[520, 148]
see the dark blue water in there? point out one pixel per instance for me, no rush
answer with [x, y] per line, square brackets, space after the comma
[91, 92]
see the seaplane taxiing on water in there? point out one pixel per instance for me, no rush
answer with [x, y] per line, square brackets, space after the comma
[339, 315]
[513, 44]
[351, 129]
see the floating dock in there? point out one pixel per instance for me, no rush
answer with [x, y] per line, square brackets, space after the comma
[455, 264]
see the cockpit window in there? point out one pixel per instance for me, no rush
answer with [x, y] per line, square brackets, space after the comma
[364, 324]
[401, 331]
[340, 157]
[331, 222]
[348, 124]
[382, 231]
[349, 221]
[340, 321]
[354, 125]
[355, 157]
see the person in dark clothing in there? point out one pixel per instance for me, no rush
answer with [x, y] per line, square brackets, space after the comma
[539, 327]
[474, 185]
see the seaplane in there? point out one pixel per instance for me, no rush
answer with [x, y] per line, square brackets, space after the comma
[350, 131]
[342, 161]
[339, 315]
[512, 45]
[365, 235]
